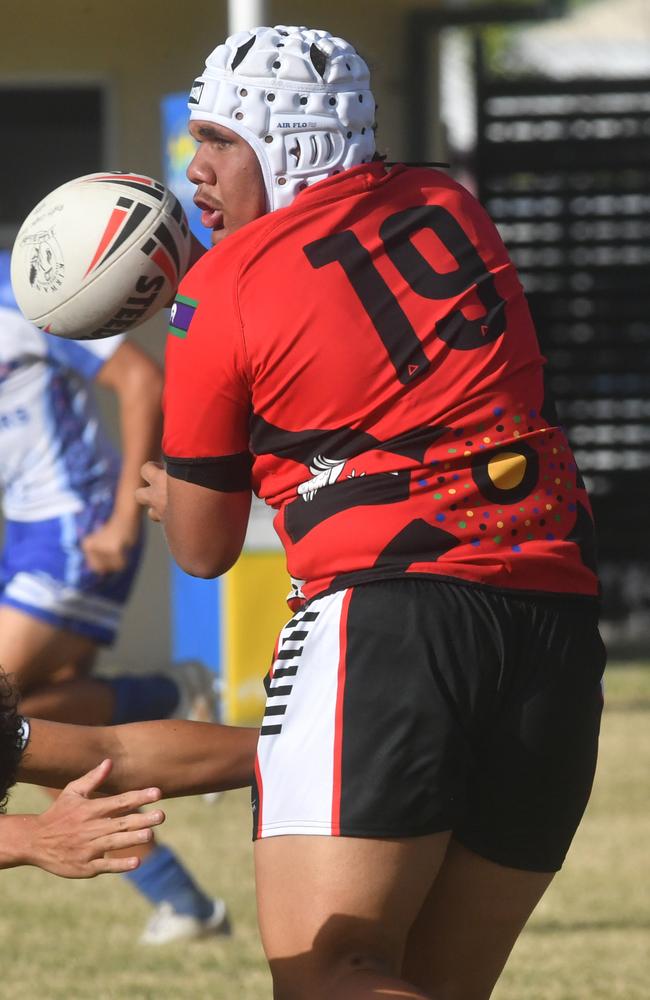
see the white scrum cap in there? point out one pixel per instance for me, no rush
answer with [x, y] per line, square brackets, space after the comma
[299, 96]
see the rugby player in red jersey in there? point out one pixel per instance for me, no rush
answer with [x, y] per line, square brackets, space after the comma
[357, 350]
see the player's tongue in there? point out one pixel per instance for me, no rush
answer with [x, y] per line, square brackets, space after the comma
[212, 218]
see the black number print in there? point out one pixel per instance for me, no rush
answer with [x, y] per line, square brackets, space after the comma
[393, 326]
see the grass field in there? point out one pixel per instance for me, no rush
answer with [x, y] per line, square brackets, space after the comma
[588, 939]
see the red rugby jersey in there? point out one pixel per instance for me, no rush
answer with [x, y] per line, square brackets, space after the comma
[366, 361]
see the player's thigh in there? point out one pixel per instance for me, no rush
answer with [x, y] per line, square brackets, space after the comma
[330, 905]
[468, 925]
[527, 789]
[35, 651]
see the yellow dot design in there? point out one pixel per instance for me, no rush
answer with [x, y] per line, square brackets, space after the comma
[508, 474]
[507, 469]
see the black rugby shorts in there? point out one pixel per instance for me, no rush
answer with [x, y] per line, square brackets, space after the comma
[411, 706]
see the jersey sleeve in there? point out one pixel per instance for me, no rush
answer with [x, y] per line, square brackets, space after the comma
[207, 398]
[85, 357]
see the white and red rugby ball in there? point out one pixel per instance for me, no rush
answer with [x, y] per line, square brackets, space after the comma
[99, 255]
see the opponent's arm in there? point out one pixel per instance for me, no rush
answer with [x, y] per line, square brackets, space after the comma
[179, 757]
[72, 836]
[136, 380]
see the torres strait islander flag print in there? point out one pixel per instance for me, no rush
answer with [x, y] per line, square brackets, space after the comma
[181, 315]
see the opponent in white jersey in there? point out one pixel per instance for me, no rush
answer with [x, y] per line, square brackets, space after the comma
[72, 544]
[60, 475]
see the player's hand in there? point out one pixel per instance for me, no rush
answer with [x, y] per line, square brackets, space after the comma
[71, 838]
[107, 549]
[153, 496]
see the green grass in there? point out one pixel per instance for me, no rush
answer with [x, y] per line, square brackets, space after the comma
[587, 940]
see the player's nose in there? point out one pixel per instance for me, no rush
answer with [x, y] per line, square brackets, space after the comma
[200, 170]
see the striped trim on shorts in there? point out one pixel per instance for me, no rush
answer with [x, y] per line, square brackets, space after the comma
[301, 731]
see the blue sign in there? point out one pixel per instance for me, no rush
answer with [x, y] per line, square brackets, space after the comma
[6, 292]
[178, 150]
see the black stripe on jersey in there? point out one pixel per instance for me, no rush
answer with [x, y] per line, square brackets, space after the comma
[275, 710]
[418, 542]
[288, 654]
[270, 730]
[301, 517]
[284, 672]
[148, 189]
[227, 473]
[162, 233]
[281, 691]
[341, 443]
[133, 220]
[307, 616]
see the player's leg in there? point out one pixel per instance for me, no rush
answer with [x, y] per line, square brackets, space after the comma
[359, 777]
[527, 793]
[34, 650]
[49, 665]
[468, 925]
[334, 912]
[181, 690]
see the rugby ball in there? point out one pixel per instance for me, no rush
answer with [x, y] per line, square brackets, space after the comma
[99, 255]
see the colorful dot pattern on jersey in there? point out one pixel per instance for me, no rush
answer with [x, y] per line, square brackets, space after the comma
[508, 472]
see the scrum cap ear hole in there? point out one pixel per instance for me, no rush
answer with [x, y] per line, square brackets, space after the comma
[242, 51]
[314, 149]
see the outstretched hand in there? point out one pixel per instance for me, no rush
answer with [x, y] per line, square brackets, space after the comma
[71, 838]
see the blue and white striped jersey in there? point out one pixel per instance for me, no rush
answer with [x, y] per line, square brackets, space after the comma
[54, 454]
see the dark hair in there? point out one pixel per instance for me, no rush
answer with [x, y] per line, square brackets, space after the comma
[10, 737]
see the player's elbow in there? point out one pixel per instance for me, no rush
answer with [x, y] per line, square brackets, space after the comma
[205, 528]
[206, 563]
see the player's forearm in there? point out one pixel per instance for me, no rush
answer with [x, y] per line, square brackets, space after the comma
[184, 758]
[140, 434]
[180, 758]
[137, 381]
[58, 753]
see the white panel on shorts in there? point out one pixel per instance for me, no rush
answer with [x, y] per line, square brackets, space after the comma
[44, 593]
[296, 763]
